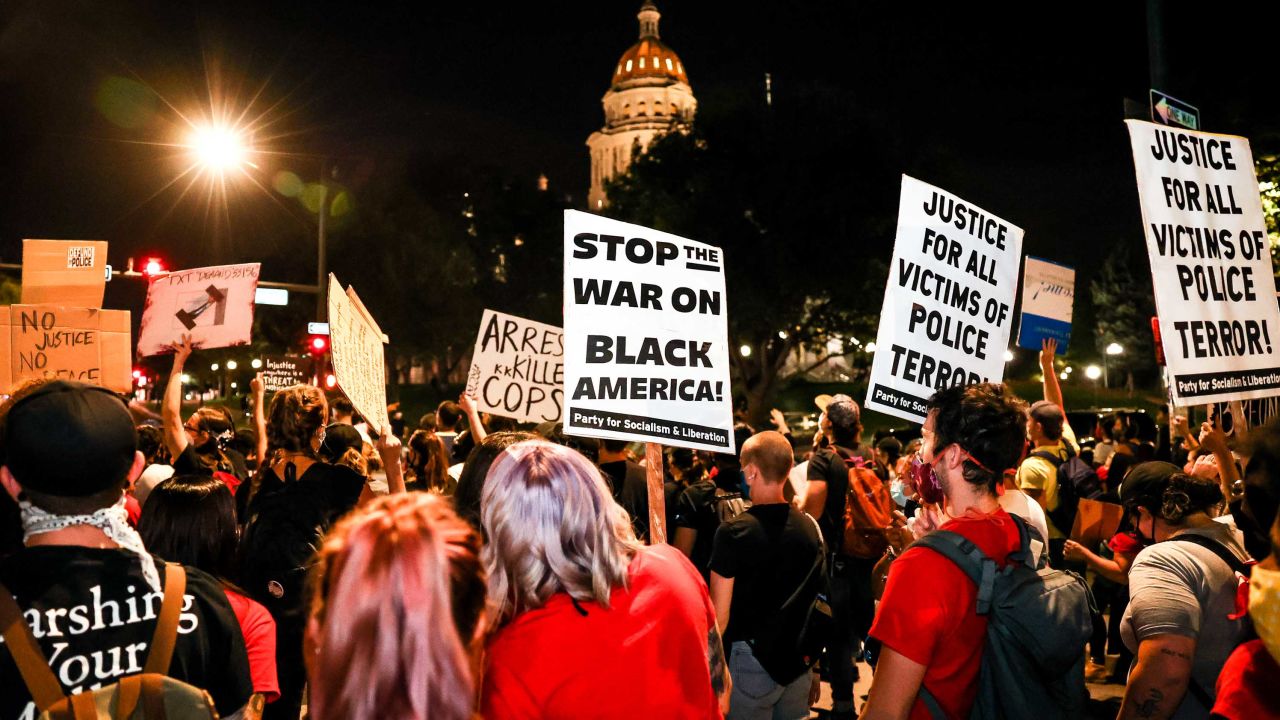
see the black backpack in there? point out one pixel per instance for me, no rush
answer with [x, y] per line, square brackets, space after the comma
[797, 635]
[1076, 479]
[1038, 622]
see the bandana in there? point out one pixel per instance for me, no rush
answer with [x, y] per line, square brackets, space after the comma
[114, 521]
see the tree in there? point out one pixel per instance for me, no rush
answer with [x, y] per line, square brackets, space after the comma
[803, 234]
[1123, 307]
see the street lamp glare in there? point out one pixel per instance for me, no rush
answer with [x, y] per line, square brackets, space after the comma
[231, 365]
[1008, 356]
[256, 363]
[1093, 372]
[1115, 349]
[218, 148]
[214, 367]
[870, 348]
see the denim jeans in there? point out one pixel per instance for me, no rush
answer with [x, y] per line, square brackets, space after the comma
[756, 696]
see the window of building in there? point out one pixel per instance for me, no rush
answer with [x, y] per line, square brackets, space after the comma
[628, 66]
[669, 67]
[641, 62]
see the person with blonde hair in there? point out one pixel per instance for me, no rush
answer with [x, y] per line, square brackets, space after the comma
[589, 621]
[397, 614]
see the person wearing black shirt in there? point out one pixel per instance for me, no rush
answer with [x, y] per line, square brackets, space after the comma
[88, 588]
[852, 602]
[629, 483]
[761, 558]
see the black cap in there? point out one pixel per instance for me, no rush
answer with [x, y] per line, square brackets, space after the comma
[69, 439]
[1146, 482]
[338, 439]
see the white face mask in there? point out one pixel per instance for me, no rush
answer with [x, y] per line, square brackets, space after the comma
[896, 491]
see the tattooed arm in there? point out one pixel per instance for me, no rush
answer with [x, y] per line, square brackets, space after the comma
[1160, 677]
[721, 683]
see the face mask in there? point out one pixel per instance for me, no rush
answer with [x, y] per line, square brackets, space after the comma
[895, 491]
[1264, 607]
[927, 483]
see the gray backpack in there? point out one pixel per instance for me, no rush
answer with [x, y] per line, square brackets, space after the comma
[1038, 623]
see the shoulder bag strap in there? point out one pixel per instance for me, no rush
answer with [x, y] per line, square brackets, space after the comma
[166, 636]
[932, 705]
[969, 558]
[45, 689]
[817, 565]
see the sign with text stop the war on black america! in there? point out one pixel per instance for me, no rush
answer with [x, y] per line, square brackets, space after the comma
[646, 342]
[948, 307]
[1210, 262]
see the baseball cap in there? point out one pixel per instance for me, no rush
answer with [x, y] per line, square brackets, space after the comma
[338, 439]
[1146, 483]
[843, 411]
[69, 439]
[822, 401]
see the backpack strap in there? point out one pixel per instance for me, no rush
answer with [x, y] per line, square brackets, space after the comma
[44, 687]
[817, 565]
[1217, 548]
[160, 652]
[931, 704]
[968, 557]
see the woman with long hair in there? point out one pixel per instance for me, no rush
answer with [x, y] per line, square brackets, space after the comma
[428, 463]
[198, 445]
[191, 519]
[590, 622]
[397, 613]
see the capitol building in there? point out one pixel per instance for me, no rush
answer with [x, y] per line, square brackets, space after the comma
[649, 96]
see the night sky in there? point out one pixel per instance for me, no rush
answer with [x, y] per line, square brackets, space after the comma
[1027, 106]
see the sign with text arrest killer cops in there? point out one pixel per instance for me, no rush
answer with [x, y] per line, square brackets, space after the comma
[948, 306]
[646, 341]
[1210, 262]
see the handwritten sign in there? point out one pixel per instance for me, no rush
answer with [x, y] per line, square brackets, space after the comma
[359, 363]
[517, 369]
[68, 273]
[214, 305]
[48, 341]
[281, 372]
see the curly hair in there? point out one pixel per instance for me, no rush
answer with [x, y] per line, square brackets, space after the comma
[217, 424]
[294, 417]
[988, 422]
[1187, 495]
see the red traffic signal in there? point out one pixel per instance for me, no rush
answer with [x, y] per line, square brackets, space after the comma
[330, 381]
[153, 267]
[318, 344]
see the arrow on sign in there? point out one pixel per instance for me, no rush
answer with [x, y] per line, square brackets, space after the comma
[1162, 109]
[216, 298]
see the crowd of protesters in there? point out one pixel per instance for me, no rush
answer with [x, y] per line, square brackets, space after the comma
[470, 567]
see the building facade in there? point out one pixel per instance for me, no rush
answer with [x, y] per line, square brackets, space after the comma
[649, 96]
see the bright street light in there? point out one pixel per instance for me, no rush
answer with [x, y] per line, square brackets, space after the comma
[1008, 356]
[1093, 372]
[745, 351]
[1115, 349]
[256, 363]
[214, 367]
[870, 348]
[218, 148]
[185, 378]
[231, 365]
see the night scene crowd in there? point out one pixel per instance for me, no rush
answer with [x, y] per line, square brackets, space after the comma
[293, 563]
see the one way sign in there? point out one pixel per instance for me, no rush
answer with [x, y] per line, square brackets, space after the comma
[1170, 110]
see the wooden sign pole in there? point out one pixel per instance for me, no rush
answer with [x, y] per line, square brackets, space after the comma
[657, 495]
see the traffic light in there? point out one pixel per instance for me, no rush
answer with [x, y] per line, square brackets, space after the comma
[153, 267]
[330, 381]
[317, 345]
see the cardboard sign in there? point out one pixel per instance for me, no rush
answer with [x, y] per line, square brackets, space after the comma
[517, 369]
[948, 307]
[646, 342]
[1048, 291]
[68, 273]
[214, 305]
[359, 363]
[281, 372]
[47, 341]
[1210, 262]
[1096, 522]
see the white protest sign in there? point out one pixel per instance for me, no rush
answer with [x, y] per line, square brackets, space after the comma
[947, 312]
[646, 341]
[1210, 262]
[517, 369]
[214, 305]
[356, 341]
[1048, 291]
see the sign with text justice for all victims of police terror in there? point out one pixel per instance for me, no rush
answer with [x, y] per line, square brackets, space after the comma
[646, 341]
[947, 312]
[1210, 263]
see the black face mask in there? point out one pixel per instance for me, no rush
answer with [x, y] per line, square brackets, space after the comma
[1134, 523]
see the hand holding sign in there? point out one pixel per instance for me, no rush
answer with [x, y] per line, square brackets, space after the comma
[214, 305]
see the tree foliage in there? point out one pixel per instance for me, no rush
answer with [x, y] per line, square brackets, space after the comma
[1123, 307]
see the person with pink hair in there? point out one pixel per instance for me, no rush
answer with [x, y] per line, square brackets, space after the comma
[397, 614]
[590, 622]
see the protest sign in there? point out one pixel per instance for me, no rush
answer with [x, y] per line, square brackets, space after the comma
[48, 341]
[280, 372]
[1210, 263]
[517, 368]
[214, 305]
[947, 312]
[646, 342]
[1048, 290]
[67, 273]
[1096, 522]
[358, 361]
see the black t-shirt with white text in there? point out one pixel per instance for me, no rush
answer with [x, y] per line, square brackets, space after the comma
[94, 617]
[768, 550]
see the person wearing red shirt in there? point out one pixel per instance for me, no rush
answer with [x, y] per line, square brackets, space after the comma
[927, 620]
[590, 622]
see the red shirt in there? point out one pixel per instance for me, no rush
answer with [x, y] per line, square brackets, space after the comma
[1125, 543]
[259, 630]
[1247, 684]
[646, 656]
[929, 613]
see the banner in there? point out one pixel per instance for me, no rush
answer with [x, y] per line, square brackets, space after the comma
[646, 342]
[517, 368]
[358, 361]
[214, 305]
[948, 307]
[1048, 290]
[68, 273]
[280, 372]
[1210, 263]
[47, 341]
